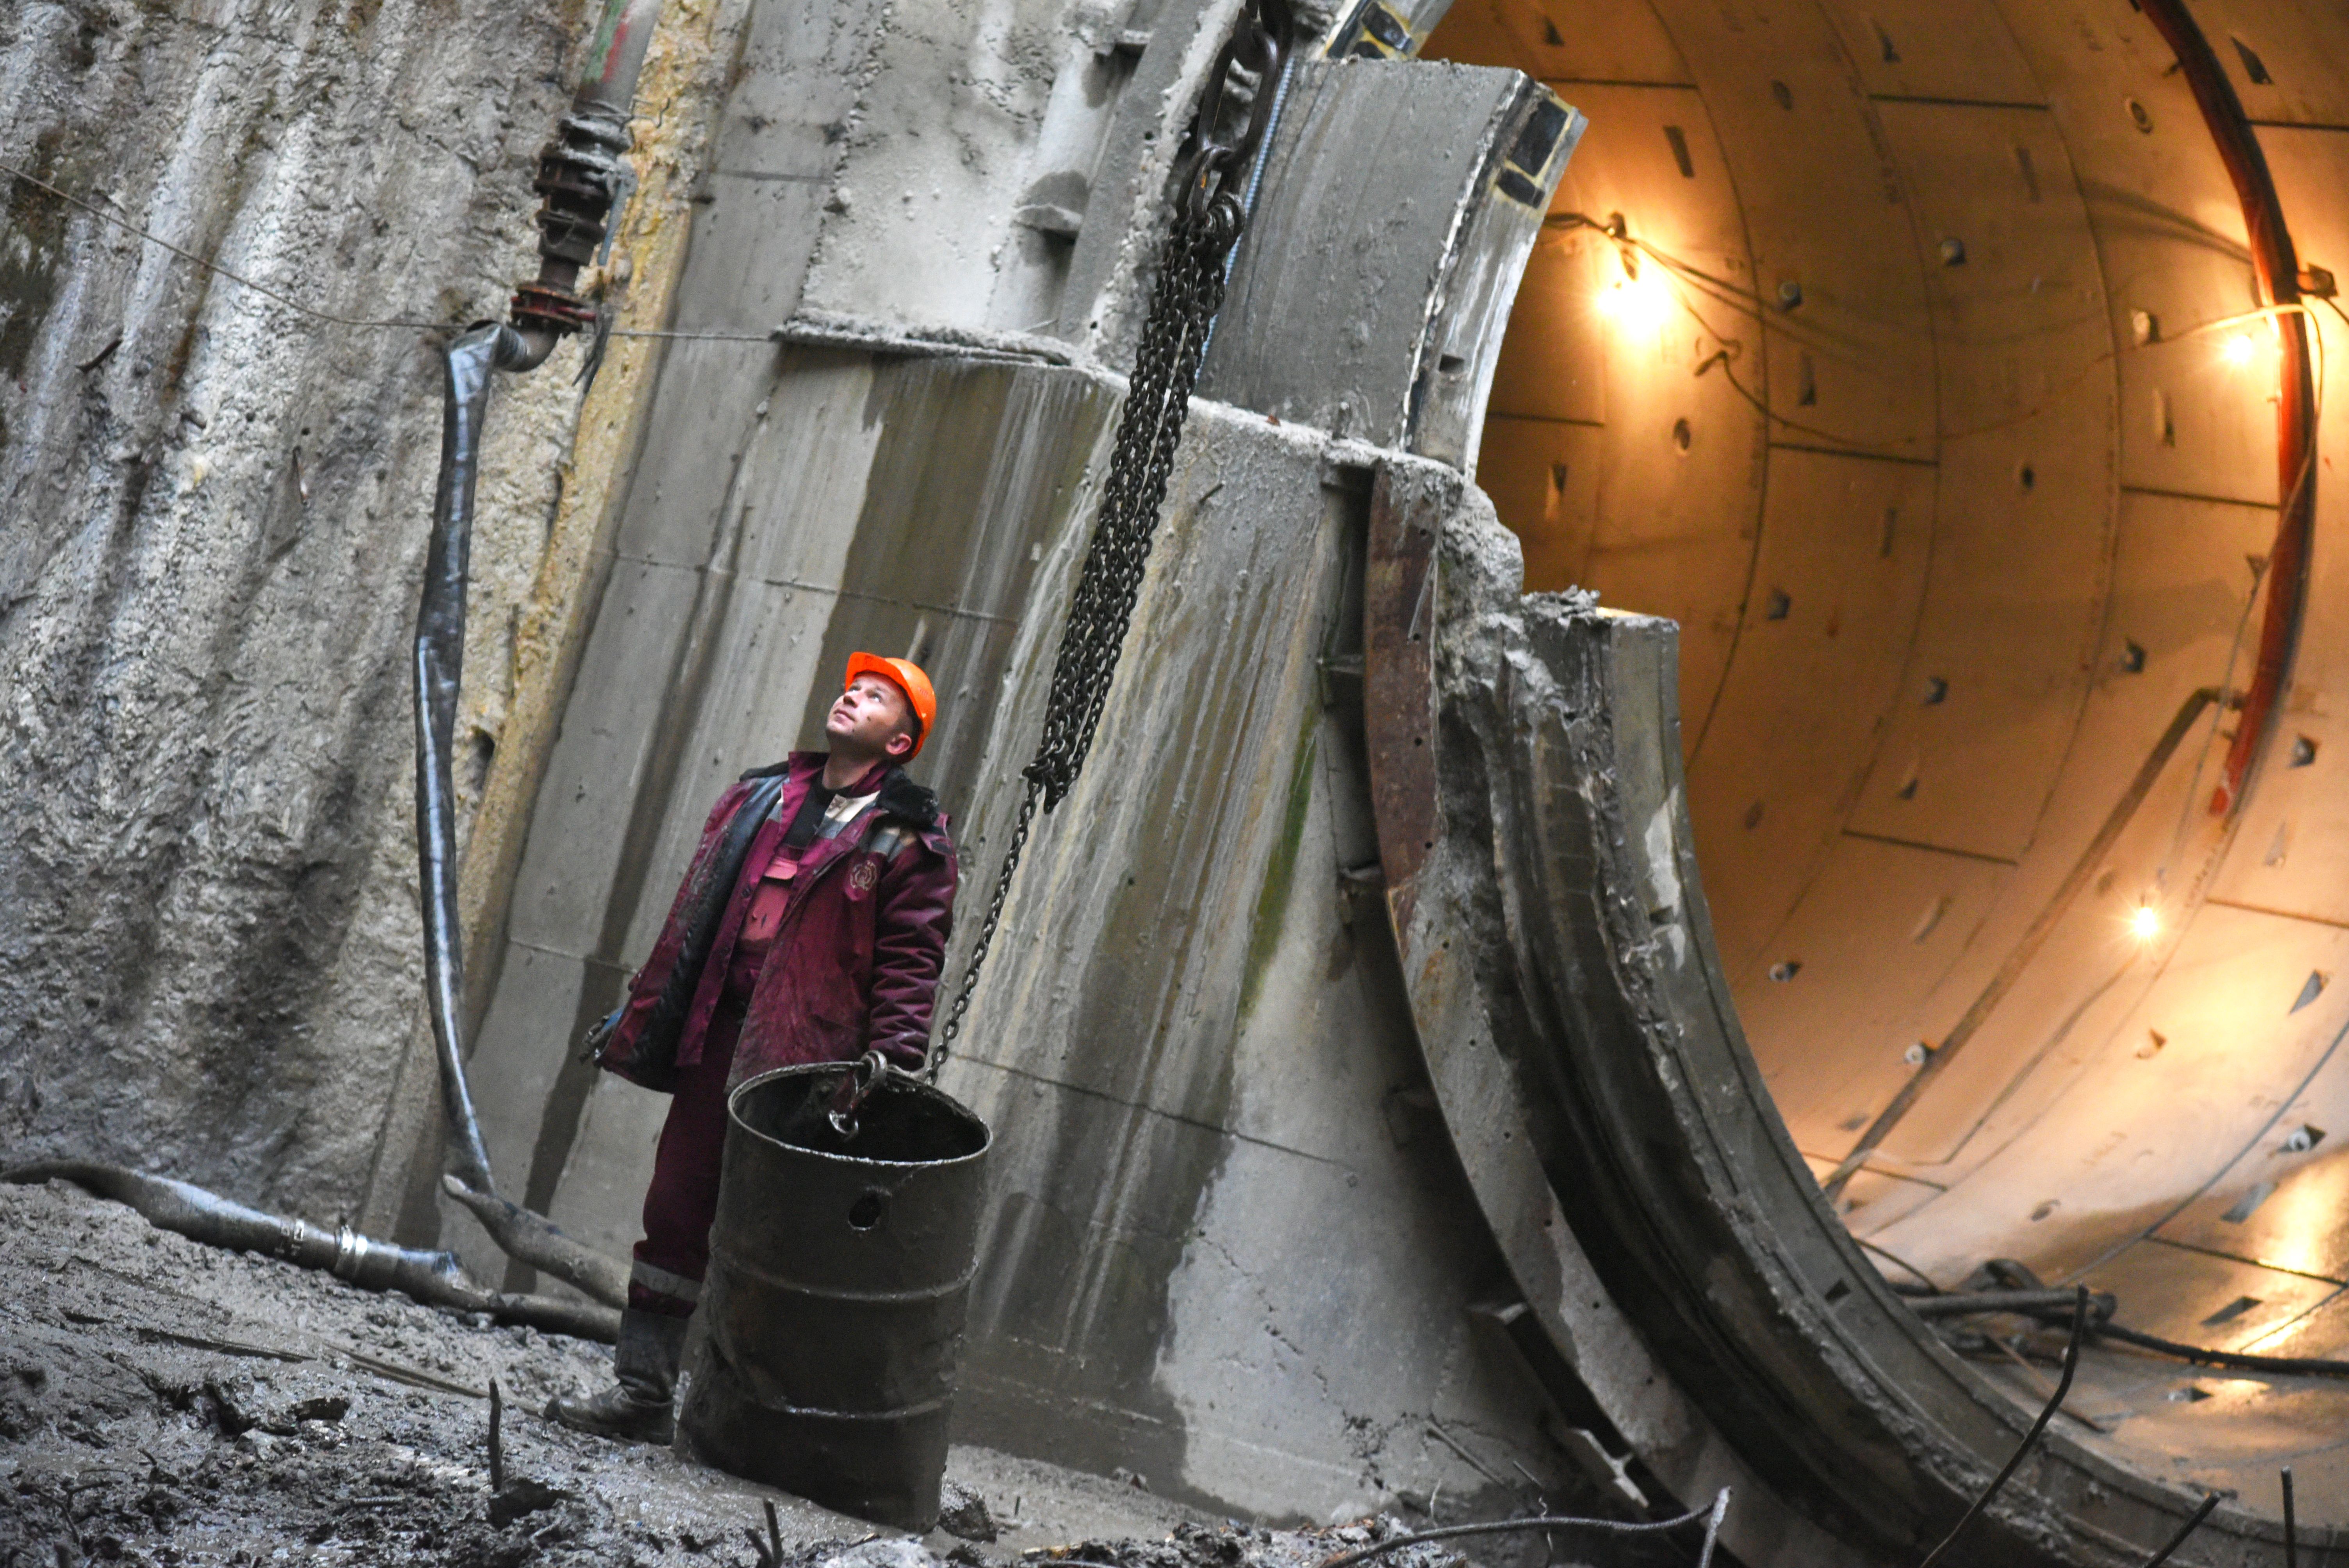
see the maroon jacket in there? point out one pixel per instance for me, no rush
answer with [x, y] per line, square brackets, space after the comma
[854, 966]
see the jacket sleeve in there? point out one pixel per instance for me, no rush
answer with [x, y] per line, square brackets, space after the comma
[912, 917]
[644, 985]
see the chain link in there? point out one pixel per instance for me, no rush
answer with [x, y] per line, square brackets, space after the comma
[1183, 304]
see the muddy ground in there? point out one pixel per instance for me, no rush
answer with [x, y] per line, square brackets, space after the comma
[164, 1402]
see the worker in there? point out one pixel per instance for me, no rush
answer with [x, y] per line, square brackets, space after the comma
[829, 943]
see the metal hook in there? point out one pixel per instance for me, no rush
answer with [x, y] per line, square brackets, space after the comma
[1255, 52]
[855, 1090]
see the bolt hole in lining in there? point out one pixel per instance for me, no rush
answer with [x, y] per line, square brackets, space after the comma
[2143, 1078]
[866, 1212]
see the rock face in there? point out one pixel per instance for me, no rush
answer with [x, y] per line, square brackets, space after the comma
[213, 506]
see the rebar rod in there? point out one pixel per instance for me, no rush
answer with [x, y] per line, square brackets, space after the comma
[2210, 1505]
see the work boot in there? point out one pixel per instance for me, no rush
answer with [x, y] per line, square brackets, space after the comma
[636, 1408]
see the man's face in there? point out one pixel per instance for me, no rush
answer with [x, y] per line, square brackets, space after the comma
[870, 717]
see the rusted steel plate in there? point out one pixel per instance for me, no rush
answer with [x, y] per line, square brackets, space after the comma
[1399, 679]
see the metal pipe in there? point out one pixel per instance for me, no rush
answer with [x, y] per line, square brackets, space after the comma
[2210, 1505]
[615, 57]
[432, 1277]
[2290, 1524]
[2276, 266]
[582, 176]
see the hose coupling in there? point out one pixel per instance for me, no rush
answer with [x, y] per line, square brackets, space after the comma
[581, 177]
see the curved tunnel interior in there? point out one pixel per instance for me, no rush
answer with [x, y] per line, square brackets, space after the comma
[1910, 358]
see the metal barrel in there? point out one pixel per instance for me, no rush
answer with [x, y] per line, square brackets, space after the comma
[838, 1272]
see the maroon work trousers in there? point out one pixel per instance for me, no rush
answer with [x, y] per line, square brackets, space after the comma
[681, 1202]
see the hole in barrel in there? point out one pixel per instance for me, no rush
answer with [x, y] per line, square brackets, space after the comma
[866, 1212]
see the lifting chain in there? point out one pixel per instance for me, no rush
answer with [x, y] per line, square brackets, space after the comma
[1234, 120]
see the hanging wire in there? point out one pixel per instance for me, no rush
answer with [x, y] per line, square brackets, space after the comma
[1776, 319]
[230, 274]
[1900, 1262]
[362, 323]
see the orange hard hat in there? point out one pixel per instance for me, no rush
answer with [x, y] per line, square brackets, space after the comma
[907, 678]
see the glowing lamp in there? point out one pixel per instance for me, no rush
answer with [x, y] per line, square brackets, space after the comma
[2238, 349]
[1642, 300]
[2145, 923]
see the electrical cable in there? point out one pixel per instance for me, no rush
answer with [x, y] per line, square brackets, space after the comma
[1713, 1517]
[2243, 1361]
[232, 275]
[2030, 1438]
[2028, 1298]
[1904, 1262]
[1720, 289]
[1776, 319]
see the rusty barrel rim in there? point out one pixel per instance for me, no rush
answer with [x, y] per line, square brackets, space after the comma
[929, 1095]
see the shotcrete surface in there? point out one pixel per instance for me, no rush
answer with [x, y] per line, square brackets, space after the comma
[212, 510]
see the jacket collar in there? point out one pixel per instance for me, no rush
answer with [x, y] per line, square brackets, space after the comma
[900, 796]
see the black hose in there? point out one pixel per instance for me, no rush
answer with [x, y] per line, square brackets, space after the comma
[535, 1239]
[2284, 1365]
[2045, 1304]
[432, 1277]
[467, 367]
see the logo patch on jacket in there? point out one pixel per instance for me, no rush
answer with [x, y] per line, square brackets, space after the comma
[864, 874]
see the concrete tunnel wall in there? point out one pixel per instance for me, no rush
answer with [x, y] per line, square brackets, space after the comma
[212, 943]
[1226, 1248]
[1951, 540]
[1229, 1249]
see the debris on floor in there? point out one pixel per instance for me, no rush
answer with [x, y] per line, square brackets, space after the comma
[165, 1402]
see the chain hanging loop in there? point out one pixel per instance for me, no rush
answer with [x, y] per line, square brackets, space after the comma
[1209, 215]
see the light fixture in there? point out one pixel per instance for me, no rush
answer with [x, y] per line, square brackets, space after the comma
[2145, 922]
[1640, 300]
[2238, 349]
